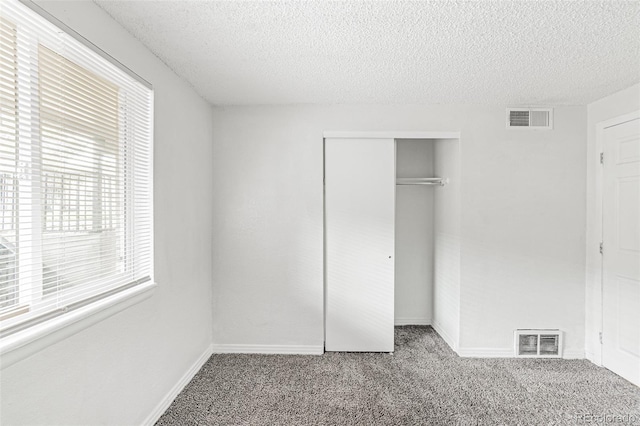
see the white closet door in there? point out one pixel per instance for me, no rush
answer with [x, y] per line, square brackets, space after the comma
[359, 244]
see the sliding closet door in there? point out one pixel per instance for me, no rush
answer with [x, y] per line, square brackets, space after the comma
[359, 244]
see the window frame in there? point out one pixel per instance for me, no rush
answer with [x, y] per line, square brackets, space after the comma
[94, 308]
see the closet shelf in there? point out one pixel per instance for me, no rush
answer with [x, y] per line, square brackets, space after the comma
[422, 181]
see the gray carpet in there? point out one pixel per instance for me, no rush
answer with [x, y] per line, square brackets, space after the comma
[423, 383]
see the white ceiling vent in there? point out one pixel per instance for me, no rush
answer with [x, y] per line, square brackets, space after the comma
[538, 343]
[529, 118]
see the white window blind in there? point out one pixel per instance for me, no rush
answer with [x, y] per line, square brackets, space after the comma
[75, 172]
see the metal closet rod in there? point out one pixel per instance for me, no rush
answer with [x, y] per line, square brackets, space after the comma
[422, 181]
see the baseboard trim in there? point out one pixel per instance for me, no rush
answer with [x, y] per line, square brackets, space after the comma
[508, 353]
[412, 321]
[177, 388]
[594, 357]
[445, 336]
[573, 354]
[269, 349]
[486, 353]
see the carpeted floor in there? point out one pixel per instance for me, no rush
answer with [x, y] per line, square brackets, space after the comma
[423, 383]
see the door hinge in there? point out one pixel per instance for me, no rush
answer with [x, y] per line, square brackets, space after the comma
[600, 337]
[601, 248]
[602, 158]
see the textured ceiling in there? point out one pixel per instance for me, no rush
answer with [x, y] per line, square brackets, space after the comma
[429, 52]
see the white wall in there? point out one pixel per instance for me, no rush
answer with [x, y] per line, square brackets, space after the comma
[268, 227]
[522, 221]
[118, 370]
[612, 106]
[447, 242]
[414, 234]
[523, 231]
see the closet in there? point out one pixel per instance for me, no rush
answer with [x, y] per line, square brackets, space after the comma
[380, 219]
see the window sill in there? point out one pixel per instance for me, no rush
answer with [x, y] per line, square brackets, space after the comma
[22, 344]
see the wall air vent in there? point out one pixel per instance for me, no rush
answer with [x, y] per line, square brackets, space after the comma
[529, 118]
[538, 343]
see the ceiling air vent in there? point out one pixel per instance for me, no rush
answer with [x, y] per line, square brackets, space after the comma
[529, 118]
[538, 343]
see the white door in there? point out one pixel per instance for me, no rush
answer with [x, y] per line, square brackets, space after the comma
[359, 244]
[621, 250]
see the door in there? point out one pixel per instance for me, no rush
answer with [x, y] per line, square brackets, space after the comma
[621, 250]
[359, 244]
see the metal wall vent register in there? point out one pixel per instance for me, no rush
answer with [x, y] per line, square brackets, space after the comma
[538, 343]
[530, 118]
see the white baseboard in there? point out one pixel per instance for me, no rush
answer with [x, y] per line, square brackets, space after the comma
[573, 354]
[445, 336]
[269, 349]
[177, 388]
[486, 353]
[412, 321]
[509, 353]
[594, 357]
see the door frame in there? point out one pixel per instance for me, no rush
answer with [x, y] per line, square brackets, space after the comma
[598, 228]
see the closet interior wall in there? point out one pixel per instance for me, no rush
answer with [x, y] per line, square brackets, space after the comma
[427, 267]
[446, 263]
[414, 249]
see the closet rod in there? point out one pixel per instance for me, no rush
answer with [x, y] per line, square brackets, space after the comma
[422, 181]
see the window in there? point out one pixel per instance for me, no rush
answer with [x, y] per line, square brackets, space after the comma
[75, 172]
